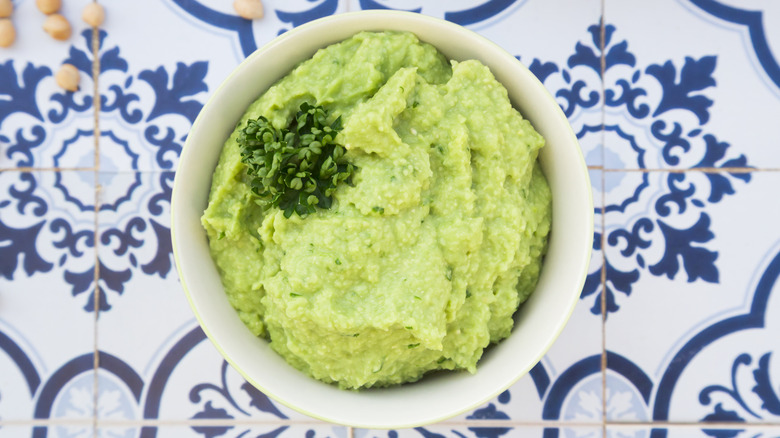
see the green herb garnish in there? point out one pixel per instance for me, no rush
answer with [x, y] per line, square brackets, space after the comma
[413, 345]
[297, 167]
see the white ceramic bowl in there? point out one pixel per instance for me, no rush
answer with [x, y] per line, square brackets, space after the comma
[436, 397]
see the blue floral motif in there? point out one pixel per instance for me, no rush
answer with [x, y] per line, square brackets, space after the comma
[179, 94]
[70, 228]
[66, 100]
[182, 97]
[754, 22]
[19, 90]
[187, 81]
[672, 142]
[222, 392]
[737, 408]
[21, 241]
[20, 97]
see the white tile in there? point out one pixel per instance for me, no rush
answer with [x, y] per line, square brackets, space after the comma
[688, 84]
[134, 239]
[42, 125]
[46, 291]
[143, 307]
[682, 333]
[153, 87]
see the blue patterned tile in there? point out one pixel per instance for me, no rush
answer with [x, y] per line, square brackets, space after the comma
[138, 283]
[134, 237]
[654, 220]
[41, 125]
[46, 319]
[151, 97]
[692, 84]
[166, 370]
[714, 285]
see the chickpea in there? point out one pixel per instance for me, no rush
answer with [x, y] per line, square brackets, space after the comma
[48, 6]
[93, 14]
[7, 32]
[249, 9]
[6, 8]
[68, 77]
[57, 26]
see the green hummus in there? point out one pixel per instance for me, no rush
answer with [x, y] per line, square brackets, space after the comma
[419, 264]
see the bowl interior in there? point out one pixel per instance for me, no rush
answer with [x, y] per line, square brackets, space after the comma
[439, 396]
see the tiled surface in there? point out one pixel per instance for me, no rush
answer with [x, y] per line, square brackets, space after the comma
[683, 144]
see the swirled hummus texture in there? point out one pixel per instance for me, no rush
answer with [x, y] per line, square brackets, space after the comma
[421, 263]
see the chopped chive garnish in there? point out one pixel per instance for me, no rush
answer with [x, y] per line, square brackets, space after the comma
[296, 168]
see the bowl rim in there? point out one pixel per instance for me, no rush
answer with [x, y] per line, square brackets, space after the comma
[588, 222]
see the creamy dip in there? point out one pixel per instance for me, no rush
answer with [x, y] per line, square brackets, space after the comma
[422, 261]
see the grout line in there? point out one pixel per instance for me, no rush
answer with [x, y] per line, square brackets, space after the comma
[603, 274]
[96, 302]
